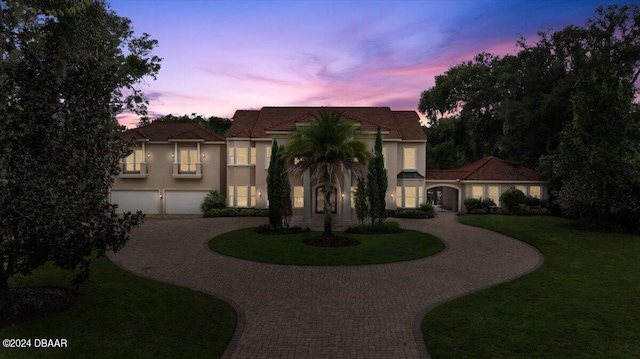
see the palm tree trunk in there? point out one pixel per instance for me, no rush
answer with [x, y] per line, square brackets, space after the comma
[327, 211]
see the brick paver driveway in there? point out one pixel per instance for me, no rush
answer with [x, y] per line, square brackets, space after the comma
[371, 311]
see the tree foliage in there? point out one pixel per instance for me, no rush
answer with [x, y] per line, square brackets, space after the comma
[276, 185]
[377, 184]
[64, 70]
[563, 105]
[218, 125]
[323, 147]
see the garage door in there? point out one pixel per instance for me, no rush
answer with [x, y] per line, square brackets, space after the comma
[184, 202]
[145, 201]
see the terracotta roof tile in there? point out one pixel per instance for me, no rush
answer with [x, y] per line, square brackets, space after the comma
[285, 119]
[487, 169]
[163, 131]
[243, 123]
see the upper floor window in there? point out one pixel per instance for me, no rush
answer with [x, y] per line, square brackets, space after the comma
[188, 159]
[133, 161]
[409, 158]
[241, 155]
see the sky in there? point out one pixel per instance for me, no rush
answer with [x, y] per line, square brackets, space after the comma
[223, 56]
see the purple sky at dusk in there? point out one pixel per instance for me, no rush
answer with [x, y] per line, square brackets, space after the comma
[221, 56]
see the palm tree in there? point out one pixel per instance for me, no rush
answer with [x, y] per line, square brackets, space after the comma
[323, 146]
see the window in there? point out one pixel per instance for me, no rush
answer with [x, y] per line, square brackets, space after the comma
[242, 156]
[410, 197]
[477, 192]
[231, 197]
[522, 188]
[399, 196]
[534, 191]
[242, 196]
[420, 195]
[253, 196]
[298, 197]
[132, 162]
[253, 156]
[267, 157]
[494, 194]
[410, 158]
[188, 159]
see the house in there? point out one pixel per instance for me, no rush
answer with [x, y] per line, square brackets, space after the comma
[171, 169]
[174, 165]
[486, 178]
[248, 151]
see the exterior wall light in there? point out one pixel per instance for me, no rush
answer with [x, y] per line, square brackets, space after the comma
[148, 154]
[391, 195]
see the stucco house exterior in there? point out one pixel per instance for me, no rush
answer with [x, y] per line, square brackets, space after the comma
[248, 151]
[171, 169]
[486, 178]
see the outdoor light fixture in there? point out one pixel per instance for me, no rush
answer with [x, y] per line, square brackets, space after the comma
[343, 196]
[260, 194]
[173, 155]
[391, 195]
[148, 154]
[160, 195]
[203, 155]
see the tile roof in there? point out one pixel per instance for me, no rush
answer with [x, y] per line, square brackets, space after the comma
[487, 169]
[256, 123]
[165, 131]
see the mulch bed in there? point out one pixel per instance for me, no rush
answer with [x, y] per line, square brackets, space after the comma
[35, 302]
[331, 241]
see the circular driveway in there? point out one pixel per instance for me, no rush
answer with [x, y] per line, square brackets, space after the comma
[371, 311]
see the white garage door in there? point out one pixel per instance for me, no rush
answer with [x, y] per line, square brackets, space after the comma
[145, 201]
[184, 202]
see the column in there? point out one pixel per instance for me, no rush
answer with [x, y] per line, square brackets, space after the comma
[346, 204]
[306, 210]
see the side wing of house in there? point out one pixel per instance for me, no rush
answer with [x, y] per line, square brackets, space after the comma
[171, 169]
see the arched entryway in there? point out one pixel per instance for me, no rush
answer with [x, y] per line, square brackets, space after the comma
[448, 196]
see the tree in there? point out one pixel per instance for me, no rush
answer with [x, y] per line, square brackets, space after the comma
[564, 104]
[323, 147]
[377, 184]
[63, 71]
[216, 124]
[275, 185]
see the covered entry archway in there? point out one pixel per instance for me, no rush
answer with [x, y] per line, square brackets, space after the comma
[451, 194]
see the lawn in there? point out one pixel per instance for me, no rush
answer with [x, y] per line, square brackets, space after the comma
[289, 249]
[120, 315]
[584, 302]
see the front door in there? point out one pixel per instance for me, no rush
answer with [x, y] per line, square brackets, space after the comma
[320, 200]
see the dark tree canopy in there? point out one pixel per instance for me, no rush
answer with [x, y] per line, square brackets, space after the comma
[64, 69]
[564, 105]
[218, 125]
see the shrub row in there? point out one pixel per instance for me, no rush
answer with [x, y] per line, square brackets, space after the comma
[237, 212]
[479, 206]
[385, 227]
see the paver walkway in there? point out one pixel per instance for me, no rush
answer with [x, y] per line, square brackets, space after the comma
[369, 311]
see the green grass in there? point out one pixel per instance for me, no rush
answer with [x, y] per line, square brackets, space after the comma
[120, 315]
[584, 302]
[289, 249]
